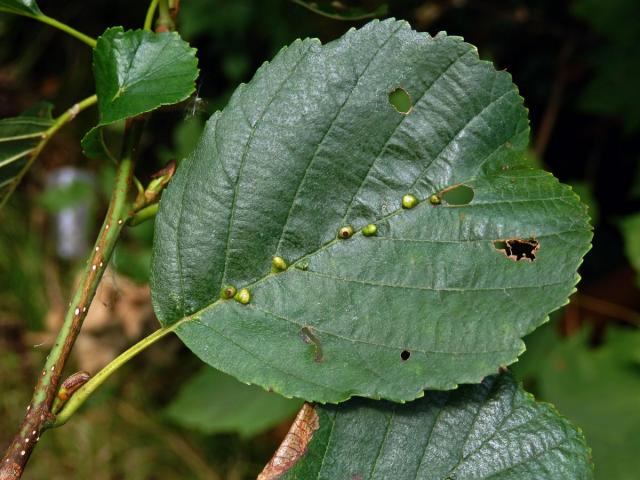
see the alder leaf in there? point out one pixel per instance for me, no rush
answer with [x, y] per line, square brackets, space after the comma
[137, 71]
[441, 294]
[21, 7]
[491, 430]
[20, 138]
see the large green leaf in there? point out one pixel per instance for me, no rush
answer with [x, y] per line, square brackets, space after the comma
[597, 388]
[212, 402]
[19, 140]
[491, 430]
[137, 71]
[29, 7]
[312, 144]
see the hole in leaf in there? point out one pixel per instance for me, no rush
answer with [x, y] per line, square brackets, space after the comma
[458, 195]
[405, 355]
[518, 249]
[401, 100]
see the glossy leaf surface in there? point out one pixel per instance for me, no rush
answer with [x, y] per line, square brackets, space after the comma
[311, 145]
[29, 7]
[491, 430]
[137, 71]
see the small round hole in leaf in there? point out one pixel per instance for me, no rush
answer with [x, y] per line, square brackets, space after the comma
[405, 355]
[458, 195]
[400, 100]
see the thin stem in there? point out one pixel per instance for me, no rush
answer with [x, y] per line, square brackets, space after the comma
[150, 13]
[39, 416]
[81, 395]
[58, 123]
[165, 21]
[63, 27]
[144, 214]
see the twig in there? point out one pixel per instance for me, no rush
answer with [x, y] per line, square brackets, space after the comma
[604, 307]
[39, 417]
[548, 121]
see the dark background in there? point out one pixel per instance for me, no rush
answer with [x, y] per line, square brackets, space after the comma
[577, 66]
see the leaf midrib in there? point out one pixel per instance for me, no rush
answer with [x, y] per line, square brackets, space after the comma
[423, 204]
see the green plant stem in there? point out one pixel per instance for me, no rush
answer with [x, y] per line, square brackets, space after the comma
[59, 122]
[165, 21]
[81, 395]
[144, 214]
[150, 13]
[39, 416]
[63, 27]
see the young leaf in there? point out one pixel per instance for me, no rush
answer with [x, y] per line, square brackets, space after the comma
[29, 7]
[212, 402]
[138, 71]
[491, 430]
[19, 138]
[311, 147]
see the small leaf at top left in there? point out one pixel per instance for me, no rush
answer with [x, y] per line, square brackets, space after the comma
[29, 7]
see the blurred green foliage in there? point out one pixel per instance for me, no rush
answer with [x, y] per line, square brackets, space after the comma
[596, 388]
[575, 64]
[213, 402]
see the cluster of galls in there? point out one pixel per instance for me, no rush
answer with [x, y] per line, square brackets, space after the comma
[278, 264]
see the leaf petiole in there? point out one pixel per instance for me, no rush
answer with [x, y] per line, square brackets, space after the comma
[57, 24]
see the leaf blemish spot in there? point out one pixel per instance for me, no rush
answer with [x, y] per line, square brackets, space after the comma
[401, 101]
[405, 355]
[345, 232]
[308, 337]
[518, 249]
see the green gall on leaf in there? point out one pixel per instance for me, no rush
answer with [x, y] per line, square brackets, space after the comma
[228, 292]
[409, 201]
[435, 200]
[370, 230]
[304, 265]
[345, 232]
[278, 264]
[243, 296]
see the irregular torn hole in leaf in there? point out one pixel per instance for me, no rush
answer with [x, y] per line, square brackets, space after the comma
[518, 248]
[405, 355]
[458, 195]
[401, 100]
[294, 445]
[308, 337]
